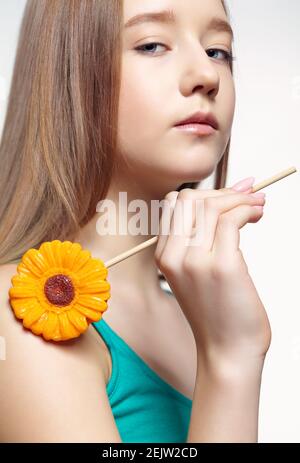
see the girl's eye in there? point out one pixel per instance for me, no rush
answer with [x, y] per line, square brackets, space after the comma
[228, 57]
[148, 45]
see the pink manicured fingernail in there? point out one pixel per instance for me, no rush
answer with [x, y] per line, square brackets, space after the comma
[244, 184]
[260, 208]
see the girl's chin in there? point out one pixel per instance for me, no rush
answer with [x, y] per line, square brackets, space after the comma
[194, 171]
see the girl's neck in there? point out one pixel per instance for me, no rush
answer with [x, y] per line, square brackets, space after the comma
[137, 273]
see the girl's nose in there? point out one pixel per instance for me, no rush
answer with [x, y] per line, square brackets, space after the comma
[199, 72]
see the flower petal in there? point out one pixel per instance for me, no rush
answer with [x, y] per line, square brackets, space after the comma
[25, 272]
[65, 247]
[78, 320]
[38, 326]
[95, 274]
[38, 259]
[83, 258]
[94, 287]
[23, 280]
[46, 250]
[29, 261]
[67, 329]
[72, 255]
[21, 306]
[56, 249]
[92, 266]
[89, 265]
[90, 314]
[92, 301]
[50, 326]
[32, 315]
[21, 291]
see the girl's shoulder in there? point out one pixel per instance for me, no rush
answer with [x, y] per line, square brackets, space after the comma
[39, 378]
[88, 343]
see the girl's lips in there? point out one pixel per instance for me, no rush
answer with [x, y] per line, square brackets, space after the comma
[197, 129]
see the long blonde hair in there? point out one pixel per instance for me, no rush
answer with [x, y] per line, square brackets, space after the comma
[58, 148]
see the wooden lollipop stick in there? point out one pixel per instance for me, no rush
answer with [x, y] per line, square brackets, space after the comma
[153, 240]
[273, 179]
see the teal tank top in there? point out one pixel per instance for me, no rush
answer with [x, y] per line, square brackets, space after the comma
[145, 407]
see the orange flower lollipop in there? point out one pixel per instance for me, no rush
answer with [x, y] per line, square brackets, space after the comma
[59, 290]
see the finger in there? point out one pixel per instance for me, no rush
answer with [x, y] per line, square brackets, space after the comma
[167, 222]
[211, 210]
[227, 237]
[182, 227]
[180, 231]
[183, 218]
[168, 205]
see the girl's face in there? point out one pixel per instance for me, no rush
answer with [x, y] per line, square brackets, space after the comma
[169, 71]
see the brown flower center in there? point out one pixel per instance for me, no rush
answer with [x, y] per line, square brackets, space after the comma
[59, 289]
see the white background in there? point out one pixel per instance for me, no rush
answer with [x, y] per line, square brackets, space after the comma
[265, 140]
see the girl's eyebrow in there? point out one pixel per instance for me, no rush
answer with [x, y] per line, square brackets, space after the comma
[169, 17]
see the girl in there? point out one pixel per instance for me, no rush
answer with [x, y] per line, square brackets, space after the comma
[97, 94]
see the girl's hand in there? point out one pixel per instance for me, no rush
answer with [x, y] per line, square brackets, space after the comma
[210, 278]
